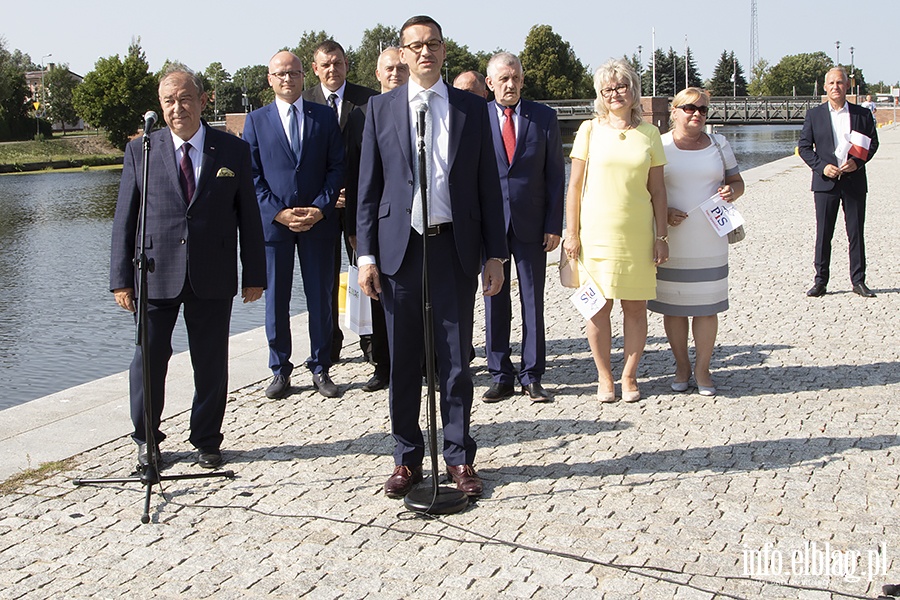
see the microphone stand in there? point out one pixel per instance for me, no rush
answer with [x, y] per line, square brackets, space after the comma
[438, 500]
[150, 474]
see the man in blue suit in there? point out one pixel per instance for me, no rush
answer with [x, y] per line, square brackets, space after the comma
[329, 64]
[529, 155]
[199, 196]
[465, 223]
[298, 169]
[835, 185]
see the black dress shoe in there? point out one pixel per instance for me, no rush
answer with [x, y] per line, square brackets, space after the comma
[402, 480]
[862, 290]
[324, 385]
[279, 387]
[209, 459]
[377, 382]
[816, 290]
[536, 392]
[144, 455]
[498, 391]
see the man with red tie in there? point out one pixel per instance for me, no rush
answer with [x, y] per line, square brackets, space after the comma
[529, 156]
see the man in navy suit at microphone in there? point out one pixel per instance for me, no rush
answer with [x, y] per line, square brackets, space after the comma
[464, 230]
[199, 197]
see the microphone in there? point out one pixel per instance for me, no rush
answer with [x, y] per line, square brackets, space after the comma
[420, 120]
[150, 119]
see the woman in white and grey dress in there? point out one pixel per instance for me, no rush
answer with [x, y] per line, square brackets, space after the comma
[692, 288]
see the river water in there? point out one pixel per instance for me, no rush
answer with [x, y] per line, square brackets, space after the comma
[59, 325]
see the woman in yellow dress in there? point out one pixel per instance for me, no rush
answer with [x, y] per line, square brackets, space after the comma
[616, 218]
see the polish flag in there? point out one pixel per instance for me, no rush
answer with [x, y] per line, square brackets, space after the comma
[859, 145]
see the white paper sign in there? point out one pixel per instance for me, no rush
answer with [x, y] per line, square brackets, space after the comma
[842, 150]
[587, 299]
[723, 216]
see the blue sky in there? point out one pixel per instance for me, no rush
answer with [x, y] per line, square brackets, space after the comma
[229, 32]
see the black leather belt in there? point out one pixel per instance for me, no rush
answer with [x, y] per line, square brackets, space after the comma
[438, 229]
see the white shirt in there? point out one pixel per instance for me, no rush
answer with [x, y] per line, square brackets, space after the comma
[196, 153]
[439, 186]
[284, 111]
[340, 97]
[840, 123]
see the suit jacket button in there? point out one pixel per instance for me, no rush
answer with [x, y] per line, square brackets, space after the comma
[183, 241]
[409, 211]
[410, 181]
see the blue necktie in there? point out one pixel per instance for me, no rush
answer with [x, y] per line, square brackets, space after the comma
[293, 125]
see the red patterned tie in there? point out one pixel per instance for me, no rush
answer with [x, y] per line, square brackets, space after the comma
[509, 133]
[186, 176]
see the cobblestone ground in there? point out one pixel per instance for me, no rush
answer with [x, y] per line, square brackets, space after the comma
[677, 496]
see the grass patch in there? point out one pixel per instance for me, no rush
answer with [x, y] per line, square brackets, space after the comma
[48, 469]
[81, 147]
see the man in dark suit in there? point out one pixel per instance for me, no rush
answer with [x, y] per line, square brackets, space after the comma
[330, 65]
[835, 182]
[528, 150]
[298, 167]
[465, 223]
[199, 196]
[390, 73]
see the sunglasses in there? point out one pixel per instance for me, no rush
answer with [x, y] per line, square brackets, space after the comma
[690, 109]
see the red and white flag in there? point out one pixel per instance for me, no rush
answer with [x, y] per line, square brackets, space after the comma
[859, 145]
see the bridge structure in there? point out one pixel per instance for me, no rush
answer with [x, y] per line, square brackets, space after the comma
[740, 110]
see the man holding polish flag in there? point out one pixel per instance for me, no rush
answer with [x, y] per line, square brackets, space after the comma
[837, 140]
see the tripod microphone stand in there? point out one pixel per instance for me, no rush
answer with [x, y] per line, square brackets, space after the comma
[436, 500]
[149, 474]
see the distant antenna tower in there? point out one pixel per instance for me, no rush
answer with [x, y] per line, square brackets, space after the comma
[754, 36]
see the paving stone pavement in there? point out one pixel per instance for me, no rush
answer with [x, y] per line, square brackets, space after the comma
[677, 496]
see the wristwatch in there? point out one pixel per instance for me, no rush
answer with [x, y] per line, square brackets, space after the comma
[663, 238]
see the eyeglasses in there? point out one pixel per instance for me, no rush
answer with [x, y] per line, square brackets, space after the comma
[690, 109]
[432, 45]
[283, 75]
[617, 89]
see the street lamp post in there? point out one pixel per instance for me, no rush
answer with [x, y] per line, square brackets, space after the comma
[853, 73]
[641, 67]
[43, 96]
[837, 50]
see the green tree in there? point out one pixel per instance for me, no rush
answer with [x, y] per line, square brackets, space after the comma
[304, 50]
[224, 92]
[460, 59]
[364, 58]
[552, 71]
[728, 77]
[60, 86]
[253, 85]
[14, 121]
[116, 93]
[759, 74]
[800, 74]
[664, 74]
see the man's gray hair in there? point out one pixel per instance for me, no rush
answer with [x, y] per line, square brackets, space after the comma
[842, 71]
[503, 59]
[178, 67]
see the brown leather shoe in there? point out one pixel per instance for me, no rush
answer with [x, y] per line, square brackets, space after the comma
[402, 480]
[466, 480]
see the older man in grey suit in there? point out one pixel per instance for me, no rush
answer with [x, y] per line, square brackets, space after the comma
[199, 196]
